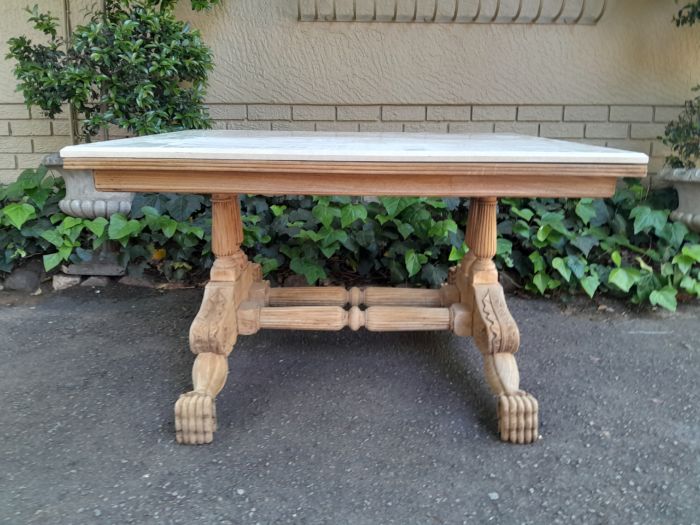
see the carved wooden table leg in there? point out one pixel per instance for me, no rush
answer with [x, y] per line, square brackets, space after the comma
[493, 328]
[213, 332]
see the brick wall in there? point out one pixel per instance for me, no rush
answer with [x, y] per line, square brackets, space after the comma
[25, 137]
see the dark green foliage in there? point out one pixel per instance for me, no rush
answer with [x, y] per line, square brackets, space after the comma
[683, 134]
[688, 14]
[624, 246]
[133, 66]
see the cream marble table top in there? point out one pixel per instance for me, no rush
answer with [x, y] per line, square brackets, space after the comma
[286, 163]
[353, 147]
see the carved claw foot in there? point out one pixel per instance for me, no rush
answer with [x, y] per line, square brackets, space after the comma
[195, 418]
[518, 418]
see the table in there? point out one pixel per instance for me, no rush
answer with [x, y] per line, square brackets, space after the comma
[237, 301]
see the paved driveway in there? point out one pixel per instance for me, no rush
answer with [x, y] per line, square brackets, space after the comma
[343, 428]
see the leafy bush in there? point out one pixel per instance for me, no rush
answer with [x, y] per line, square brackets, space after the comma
[683, 134]
[624, 246]
[132, 65]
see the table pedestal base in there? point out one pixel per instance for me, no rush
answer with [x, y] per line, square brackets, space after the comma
[237, 302]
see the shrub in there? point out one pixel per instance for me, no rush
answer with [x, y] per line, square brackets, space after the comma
[683, 134]
[132, 65]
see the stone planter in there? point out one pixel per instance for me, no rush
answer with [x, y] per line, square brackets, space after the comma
[687, 184]
[83, 200]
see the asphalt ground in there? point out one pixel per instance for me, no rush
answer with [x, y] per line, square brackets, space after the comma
[343, 427]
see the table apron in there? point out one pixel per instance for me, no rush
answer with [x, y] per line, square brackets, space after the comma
[449, 185]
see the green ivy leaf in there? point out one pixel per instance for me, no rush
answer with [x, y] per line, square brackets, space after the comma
[684, 262]
[278, 210]
[434, 274]
[666, 298]
[325, 213]
[97, 225]
[52, 260]
[590, 284]
[413, 262]
[309, 269]
[522, 229]
[559, 265]
[391, 205]
[543, 232]
[523, 214]
[537, 262]
[690, 285]
[457, 254]
[541, 280]
[586, 210]
[182, 206]
[624, 278]
[352, 212]
[53, 237]
[577, 265]
[646, 219]
[18, 213]
[120, 228]
[504, 247]
[616, 258]
[405, 229]
[692, 251]
[585, 243]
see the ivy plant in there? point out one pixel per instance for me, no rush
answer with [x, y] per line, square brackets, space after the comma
[132, 65]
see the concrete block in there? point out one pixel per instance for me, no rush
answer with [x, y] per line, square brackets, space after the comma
[227, 111]
[337, 126]
[586, 113]
[15, 145]
[607, 131]
[631, 113]
[291, 125]
[381, 126]
[541, 113]
[49, 144]
[425, 127]
[247, 124]
[29, 160]
[21, 128]
[480, 113]
[666, 114]
[647, 131]
[521, 128]
[313, 112]
[471, 127]
[13, 111]
[269, 112]
[7, 161]
[414, 113]
[60, 128]
[640, 146]
[450, 113]
[561, 130]
[358, 112]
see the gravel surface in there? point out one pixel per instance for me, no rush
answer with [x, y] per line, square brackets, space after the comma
[343, 428]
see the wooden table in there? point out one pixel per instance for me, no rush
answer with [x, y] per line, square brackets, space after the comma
[238, 302]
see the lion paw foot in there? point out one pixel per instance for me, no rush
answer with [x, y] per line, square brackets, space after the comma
[518, 418]
[195, 418]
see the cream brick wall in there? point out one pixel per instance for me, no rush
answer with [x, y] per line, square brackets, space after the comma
[25, 138]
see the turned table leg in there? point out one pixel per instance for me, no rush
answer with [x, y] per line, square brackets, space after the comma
[214, 331]
[492, 327]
